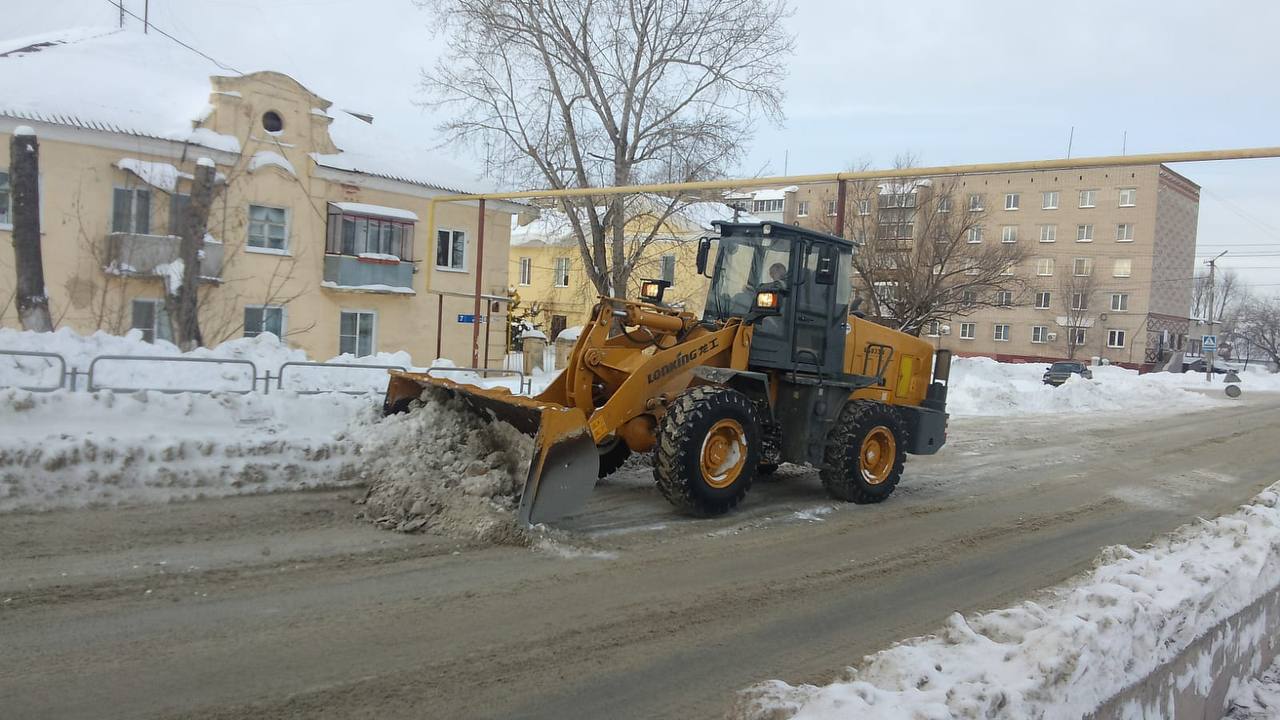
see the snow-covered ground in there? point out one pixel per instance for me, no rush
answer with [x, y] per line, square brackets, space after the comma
[65, 448]
[1075, 647]
[1256, 698]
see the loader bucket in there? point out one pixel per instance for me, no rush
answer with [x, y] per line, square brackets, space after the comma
[565, 463]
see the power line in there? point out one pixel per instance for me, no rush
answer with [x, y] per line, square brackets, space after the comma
[152, 25]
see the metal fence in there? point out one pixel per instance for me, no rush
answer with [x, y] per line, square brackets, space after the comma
[51, 371]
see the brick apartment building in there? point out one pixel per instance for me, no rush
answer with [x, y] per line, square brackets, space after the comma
[1119, 242]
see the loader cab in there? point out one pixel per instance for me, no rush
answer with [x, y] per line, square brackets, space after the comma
[809, 274]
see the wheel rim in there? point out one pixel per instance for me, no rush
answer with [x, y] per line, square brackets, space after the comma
[724, 453]
[879, 450]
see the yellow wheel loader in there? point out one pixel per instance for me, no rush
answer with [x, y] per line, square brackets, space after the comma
[779, 368]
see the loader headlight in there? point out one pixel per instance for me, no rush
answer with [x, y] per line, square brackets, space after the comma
[651, 290]
[767, 301]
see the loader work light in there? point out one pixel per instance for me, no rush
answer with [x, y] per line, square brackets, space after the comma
[651, 290]
[766, 301]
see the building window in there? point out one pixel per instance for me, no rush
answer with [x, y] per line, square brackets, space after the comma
[934, 328]
[451, 250]
[1078, 336]
[1004, 298]
[263, 318]
[1048, 233]
[831, 208]
[1124, 232]
[1042, 300]
[1009, 234]
[864, 207]
[1040, 333]
[1123, 268]
[767, 206]
[355, 333]
[944, 204]
[272, 122]
[802, 208]
[1088, 198]
[350, 234]
[131, 211]
[1128, 197]
[1115, 338]
[526, 270]
[1082, 267]
[975, 203]
[1044, 267]
[151, 318]
[968, 330]
[975, 234]
[969, 297]
[1079, 301]
[268, 228]
[669, 268]
[1084, 233]
[562, 272]
[6, 201]
[1050, 200]
[1120, 302]
[1011, 201]
[1001, 332]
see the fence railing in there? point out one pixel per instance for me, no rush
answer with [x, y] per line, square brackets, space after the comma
[53, 372]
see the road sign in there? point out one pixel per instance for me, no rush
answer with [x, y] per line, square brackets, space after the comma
[470, 319]
[1208, 343]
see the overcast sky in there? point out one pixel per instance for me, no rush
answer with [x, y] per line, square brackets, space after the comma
[950, 82]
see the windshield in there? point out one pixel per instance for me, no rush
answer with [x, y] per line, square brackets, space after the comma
[743, 266]
[1064, 367]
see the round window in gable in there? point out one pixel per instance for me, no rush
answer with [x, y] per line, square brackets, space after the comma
[272, 122]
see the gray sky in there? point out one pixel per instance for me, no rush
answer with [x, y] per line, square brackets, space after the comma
[949, 82]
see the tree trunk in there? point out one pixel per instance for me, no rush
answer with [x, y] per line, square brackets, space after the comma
[184, 309]
[24, 168]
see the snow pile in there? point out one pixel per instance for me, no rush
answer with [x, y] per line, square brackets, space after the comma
[71, 449]
[1257, 698]
[1064, 656]
[982, 386]
[444, 468]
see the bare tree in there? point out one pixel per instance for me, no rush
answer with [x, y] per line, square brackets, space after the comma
[583, 93]
[1227, 293]
[925, 253]
[1076, 292]
[1258, 327]
[33, 303]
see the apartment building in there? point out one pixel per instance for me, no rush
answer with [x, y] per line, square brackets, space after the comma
[1108, 261]
[768, 204]
[316, 232]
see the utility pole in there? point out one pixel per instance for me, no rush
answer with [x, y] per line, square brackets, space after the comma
[120, 4]
[1212, 355]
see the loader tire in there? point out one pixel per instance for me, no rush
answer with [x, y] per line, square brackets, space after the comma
[708, 450]
[866, 450]
[613, 453]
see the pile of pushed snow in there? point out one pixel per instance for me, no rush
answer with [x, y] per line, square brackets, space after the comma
[1256, 698]
[982, 386]
[443, 467]
[1064, 656]
[72, 449]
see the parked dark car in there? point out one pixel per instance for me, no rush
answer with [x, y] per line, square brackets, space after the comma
[1198, 366]
[1060, 371]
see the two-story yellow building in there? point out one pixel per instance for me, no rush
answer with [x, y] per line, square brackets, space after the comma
[547, 269]
[317, 231]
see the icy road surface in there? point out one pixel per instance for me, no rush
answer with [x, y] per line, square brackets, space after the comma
[284, 605]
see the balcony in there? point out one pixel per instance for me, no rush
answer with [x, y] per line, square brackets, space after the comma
[368, 273]
[138, 255]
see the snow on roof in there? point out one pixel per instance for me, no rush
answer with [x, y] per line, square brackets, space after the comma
[270, 158]
[773, 193]
[552, 227]
[123, 81]
[379, 210]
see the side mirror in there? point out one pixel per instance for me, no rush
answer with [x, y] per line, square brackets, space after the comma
[826, 272]
[704, 248]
